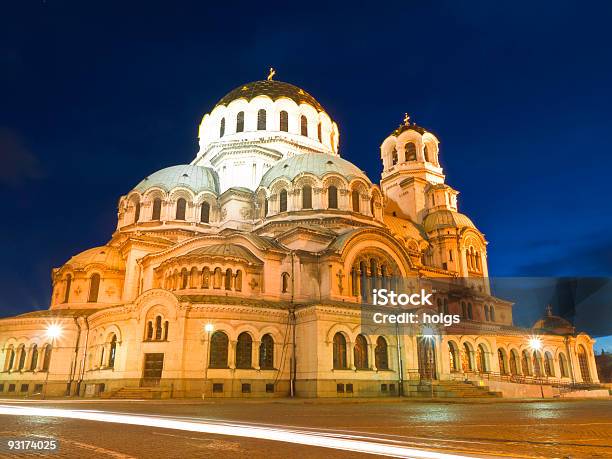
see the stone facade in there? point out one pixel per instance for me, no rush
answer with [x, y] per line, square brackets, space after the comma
[242, 274]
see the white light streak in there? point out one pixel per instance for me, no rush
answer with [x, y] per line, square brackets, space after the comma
[302, 437]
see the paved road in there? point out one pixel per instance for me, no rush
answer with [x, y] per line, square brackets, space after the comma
[576, 429]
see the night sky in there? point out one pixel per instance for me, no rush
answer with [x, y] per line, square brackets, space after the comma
[97, 95]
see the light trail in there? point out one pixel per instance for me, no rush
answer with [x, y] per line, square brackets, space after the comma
[343, 442]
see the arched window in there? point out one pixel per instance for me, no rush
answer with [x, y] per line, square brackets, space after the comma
[266, 352]
[410, 152]
[149, 330]
[222, 128]
[482, 359]
[492, 313]
[583, 363]
[285, 282]
[563, 365]
[34, 360]
[526, 369]
[339, 351]
[244, 350]
[426, 153]
[10, 359]
[240, 122]
[453, 357]
[166, 326]
[514, 365]
[158, 328]
[470, 311]
[284, 121]
[217, 278]
[194, 278]
[355, 199]
[181, 206]
[464, 309]
[332, 197]
[22, 358]
[304, 126]
[261, 120]
[549, 369]
[360, 353]
[381, 357]
[307, 197]
[282, 201]
[184, 278]
[157, 203]
[394, 158]
[218, 350]
[228, 279]
[265, 213]
[319, 133]
[501, 357]
[466, 358]
[136, 211]
[47, 358]
[238, 281]
[67, 290]
[206, 277]
[94, 287]
[486, 310]
[537, 364]
[445, 301]
[112, 352]
[205, 213]
[372, 205]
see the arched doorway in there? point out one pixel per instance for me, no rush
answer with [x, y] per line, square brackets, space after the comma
[481, 359]
[426, 350]
[453, 357]
[583, 362]
[466, 358]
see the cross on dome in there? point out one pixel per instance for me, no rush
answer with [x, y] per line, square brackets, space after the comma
[271, 74]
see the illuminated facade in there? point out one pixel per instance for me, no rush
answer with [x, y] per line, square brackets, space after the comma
[242, 273]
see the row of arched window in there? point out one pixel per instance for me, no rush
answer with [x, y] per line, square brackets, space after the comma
[204, 278]
[28, 359]
[262, 124]
[157, 330]
[94, 288]
[180, 213]
[473, 259]
[467, 312]
[332, 199]
[361, 359]
[243, 357]
[528, 363]
[366, 276]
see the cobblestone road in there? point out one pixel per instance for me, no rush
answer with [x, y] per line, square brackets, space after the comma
[564, 429]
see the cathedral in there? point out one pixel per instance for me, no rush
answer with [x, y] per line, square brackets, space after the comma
[244, 274]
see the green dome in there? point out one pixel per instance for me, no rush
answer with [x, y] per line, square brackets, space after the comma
[446, 219]
[318, 164]
[196, 178]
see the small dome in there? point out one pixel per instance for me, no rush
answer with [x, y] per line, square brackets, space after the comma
[273, 89]
[196, 178]
[554, 324]
[318, 164]
[446, 219]
[104, 255]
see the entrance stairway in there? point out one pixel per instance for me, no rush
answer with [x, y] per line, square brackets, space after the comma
[450, 389]
[133, 393]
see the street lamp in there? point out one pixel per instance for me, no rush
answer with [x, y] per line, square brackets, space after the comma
[53, 331]
[208, 328]
[535, 343]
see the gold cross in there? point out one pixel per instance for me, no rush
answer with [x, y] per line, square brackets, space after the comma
[406, 119]
[271, 74]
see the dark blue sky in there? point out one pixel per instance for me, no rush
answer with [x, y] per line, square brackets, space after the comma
[95, 96]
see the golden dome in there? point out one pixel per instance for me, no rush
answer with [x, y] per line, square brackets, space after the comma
[104, 255]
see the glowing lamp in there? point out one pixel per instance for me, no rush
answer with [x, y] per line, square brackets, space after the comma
[535, 343]
[54, 331]
[209, 328]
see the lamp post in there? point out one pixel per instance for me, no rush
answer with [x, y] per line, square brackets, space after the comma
[208, 328]
[535, 343]
[53, 331]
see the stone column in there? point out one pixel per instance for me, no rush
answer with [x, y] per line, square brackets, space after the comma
[231, 358]
[372, 356]
[350, 355]
[255, 355]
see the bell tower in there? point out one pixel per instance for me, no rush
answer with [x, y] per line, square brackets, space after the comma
[412, 178]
